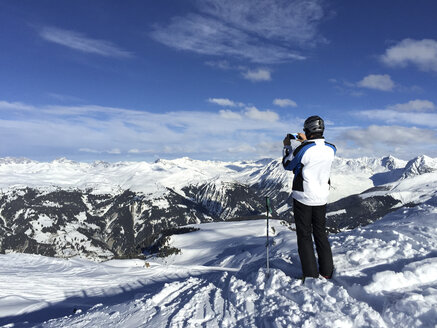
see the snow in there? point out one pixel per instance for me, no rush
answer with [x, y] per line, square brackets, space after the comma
[416, 189]
[419, 165]
[414, 274]
[386, 272]
[349, 176]
[101, 177]
[342, 211]
[353, 176]
[386, 276]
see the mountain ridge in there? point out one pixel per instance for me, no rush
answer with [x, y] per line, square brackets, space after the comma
[103, 210]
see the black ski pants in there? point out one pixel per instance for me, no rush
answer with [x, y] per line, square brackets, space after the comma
[312, 219]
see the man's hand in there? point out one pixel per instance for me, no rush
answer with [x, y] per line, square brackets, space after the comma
[301, 137]
[287, 140]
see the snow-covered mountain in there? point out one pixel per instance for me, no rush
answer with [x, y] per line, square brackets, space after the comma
[103, 210]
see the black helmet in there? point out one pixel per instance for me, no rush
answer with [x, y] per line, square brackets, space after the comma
[313, 125]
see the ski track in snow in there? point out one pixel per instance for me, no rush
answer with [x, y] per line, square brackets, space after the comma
[386, 276]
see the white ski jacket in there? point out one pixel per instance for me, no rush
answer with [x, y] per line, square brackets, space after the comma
[311, 163]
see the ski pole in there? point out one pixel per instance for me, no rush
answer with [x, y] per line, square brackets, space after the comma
[269, 210]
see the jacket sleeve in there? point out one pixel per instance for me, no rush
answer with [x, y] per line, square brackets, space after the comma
[287, 154]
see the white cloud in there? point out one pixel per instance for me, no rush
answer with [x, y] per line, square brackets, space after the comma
[230, 115]
[243, 148]
[257, 75]
[222, 102]
[397, 117]
[421, 53]
[15, 106]
[251, 74]
[378, 82]
[284, 102]
[382, 140]
[366, 137]
[404, 130]
[424, 114]
[208, 36]
[417, 105]
[99, 132]
[80, 42]
[89, 150]
[294, 21]
[258, 31]
[255, 114]
[114, 151]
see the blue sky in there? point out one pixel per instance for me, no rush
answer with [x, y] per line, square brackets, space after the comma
[218, 80]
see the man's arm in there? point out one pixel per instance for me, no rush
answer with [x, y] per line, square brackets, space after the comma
[291, 142]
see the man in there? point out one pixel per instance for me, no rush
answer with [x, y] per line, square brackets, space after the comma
[310, 157]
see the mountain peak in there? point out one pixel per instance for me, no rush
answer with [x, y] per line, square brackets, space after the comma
[419, 165]
[392, 163]
[63, 160]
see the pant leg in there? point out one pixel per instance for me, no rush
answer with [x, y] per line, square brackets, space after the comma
[302, 217]
[323, 247]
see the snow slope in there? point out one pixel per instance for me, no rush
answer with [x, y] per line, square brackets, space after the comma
[353, 176]
[386, 276]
